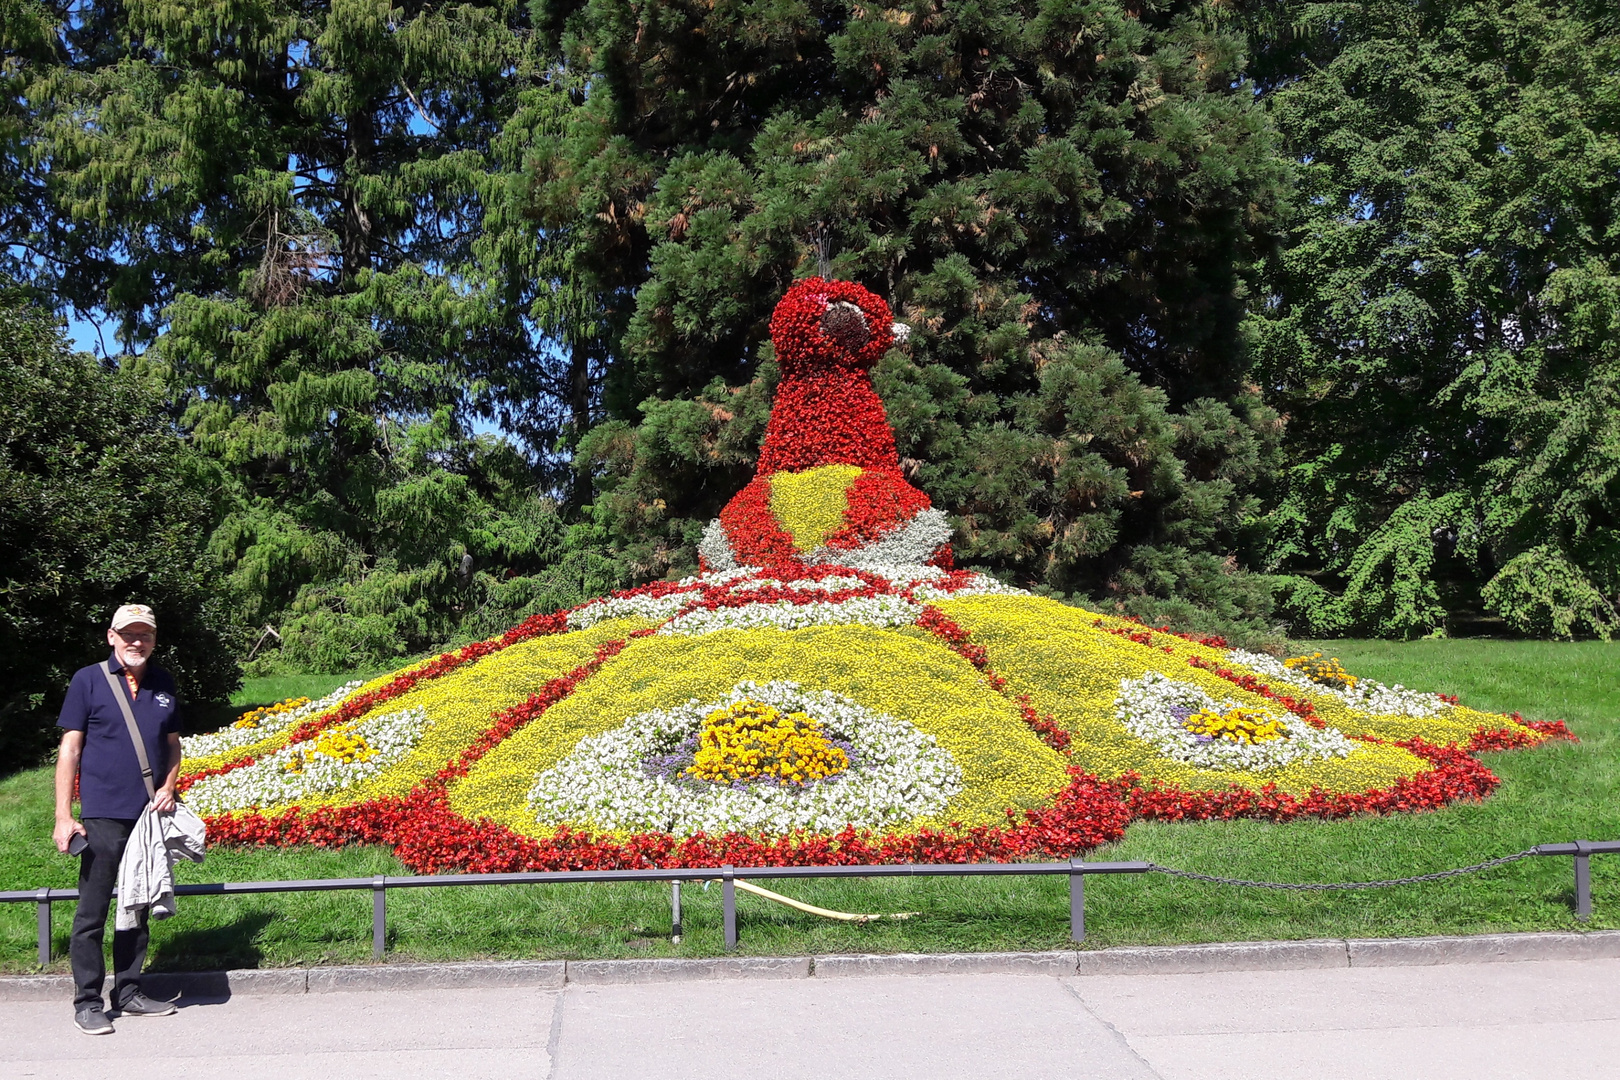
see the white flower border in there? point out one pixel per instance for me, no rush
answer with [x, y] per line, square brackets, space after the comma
[681, 614]
[656, 608]
[1144, 704]
[911, 544]
[977, 585]
[267, 783]
[884, 611]
[715, 547]
[234, 738]
[903, 775]
[1367, 695]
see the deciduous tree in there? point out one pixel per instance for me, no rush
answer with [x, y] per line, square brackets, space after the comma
[101, 504]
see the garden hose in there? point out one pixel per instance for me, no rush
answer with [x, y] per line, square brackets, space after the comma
[843, 916]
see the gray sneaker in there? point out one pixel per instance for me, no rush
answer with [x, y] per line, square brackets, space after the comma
[141, 1005]
[92, 1021]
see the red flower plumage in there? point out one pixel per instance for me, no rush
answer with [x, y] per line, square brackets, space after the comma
[827, 335]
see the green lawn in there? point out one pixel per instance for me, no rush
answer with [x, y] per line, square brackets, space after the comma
[1557, 792]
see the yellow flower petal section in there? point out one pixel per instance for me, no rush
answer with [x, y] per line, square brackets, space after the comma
[810, 505]
[461, 704]
[1072, 670]
[902, 673]
[1452, 727]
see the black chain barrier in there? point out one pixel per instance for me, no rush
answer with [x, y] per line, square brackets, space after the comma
[1327, 887]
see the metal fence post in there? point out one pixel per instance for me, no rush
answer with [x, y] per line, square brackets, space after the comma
[1077, 901]
[44, 900]
[675, 912]
[728, 904]
[379, 915]
[1583, 880]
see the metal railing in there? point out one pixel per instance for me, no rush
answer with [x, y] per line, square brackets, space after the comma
[1076, 869]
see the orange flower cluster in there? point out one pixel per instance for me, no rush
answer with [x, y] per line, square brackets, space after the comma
[1236, 725]
[1321, 669]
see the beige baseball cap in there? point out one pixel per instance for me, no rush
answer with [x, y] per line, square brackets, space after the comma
[130, 614]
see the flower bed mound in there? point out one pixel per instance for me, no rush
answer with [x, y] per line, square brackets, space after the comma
[903, 674]
[841, 714]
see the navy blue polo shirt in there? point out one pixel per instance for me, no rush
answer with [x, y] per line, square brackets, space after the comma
[110, 784]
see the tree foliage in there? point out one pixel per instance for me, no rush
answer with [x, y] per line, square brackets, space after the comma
[101, 504]
[300, 216]
[1440, 328]
[1211, 302]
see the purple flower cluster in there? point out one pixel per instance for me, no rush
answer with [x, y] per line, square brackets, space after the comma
[1181, 714]
[669, 766]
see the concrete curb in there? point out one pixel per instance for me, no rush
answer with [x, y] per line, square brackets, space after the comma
[521, 973]
[1227, 956]
[1008, 963]
[1484, 948]
[221, 984]
[1128, 960]
[672, 969]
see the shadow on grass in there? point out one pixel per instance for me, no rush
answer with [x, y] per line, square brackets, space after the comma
[213, 948]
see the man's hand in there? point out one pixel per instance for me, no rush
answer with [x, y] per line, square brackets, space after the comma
[63, 833]
[163, 800]
[67, 769]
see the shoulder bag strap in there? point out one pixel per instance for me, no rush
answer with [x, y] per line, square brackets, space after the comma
[134, 730]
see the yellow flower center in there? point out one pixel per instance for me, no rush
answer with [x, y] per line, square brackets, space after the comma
[810, 505]
[1327, 671]
[345, 746]
[750, 739]
[1238, 725]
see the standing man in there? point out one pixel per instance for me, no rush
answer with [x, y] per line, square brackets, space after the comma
[98, 750]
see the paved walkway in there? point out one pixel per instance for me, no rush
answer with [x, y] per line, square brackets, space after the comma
[1469, 1021]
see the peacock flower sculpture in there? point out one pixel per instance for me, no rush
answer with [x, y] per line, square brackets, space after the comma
[828, 689]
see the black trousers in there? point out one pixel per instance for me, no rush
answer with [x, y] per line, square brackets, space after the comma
[98, 876]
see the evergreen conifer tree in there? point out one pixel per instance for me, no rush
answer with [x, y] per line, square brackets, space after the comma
[1062, 200]
[301, 217]
[1443, 327]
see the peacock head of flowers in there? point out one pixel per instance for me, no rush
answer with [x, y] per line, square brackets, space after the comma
[821, 328]
[828, 489]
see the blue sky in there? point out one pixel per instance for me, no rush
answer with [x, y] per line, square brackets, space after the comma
[86, 338]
